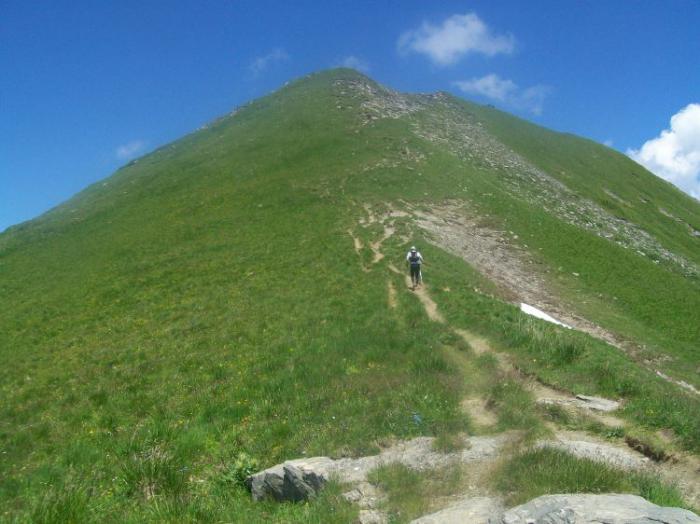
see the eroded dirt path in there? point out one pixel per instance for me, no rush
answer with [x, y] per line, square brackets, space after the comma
[377, 245]
[497, 255]
[685, 472]
[479, 345]
[357, 242]
[429, 304]
[682, 470]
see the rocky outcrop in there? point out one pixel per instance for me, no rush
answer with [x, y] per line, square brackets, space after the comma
[295, 480]
[472, 510]
[594, 509]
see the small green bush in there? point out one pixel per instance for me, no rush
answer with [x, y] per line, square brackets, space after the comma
[241, 468]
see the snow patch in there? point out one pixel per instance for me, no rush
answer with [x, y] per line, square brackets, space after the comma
[531, 310]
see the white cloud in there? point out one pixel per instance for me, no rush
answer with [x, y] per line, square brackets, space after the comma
[354, 62]
[609, 142]
[675, 154]
[130, 150]
[490, 86]
[261, 63]
[506, 91]
[458, 36]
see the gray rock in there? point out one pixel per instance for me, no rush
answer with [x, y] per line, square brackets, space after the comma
[294, 480]
[364, 495]
[298, 486]
[594, 509]
[597, 403]
[472, 510]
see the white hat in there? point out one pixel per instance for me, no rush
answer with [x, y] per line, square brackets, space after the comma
[413, 248]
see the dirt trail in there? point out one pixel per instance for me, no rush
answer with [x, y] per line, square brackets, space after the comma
[428, 303]
[377, 245]
[478, 344]
[479, 412]
[481, 346]
[496, 254]
[685, 473]
[357, 242]
[391, 294]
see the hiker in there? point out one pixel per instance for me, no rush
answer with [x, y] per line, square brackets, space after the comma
[414, 260]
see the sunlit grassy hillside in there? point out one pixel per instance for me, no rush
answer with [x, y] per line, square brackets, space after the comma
[203, 312]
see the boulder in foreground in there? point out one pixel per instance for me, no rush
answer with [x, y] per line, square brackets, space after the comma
[595, 509]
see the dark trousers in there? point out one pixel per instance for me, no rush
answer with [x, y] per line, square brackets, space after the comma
[415, 272]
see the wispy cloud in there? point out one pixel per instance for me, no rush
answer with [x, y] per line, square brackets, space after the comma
[675, 154]
[456, 37]
[261, 63]
[354, 62]
[130, 149]
[490, 86]
[506, 91]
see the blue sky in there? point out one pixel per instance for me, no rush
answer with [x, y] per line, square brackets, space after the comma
[87, 85]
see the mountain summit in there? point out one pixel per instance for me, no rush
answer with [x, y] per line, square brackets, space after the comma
[237, 298]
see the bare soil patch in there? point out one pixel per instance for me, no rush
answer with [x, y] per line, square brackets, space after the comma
[495, 255]
[478, 411]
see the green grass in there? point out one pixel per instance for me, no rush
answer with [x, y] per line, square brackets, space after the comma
[575, 420]
[548, 471]
[71, 503]
[590, 169]
[515, 406]
[651, 304]
[568, 360]
[203, 310]
[410, 493]
[192, 313]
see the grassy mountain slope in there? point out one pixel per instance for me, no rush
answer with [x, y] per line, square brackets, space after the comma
[203, 311]
[646, 299]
